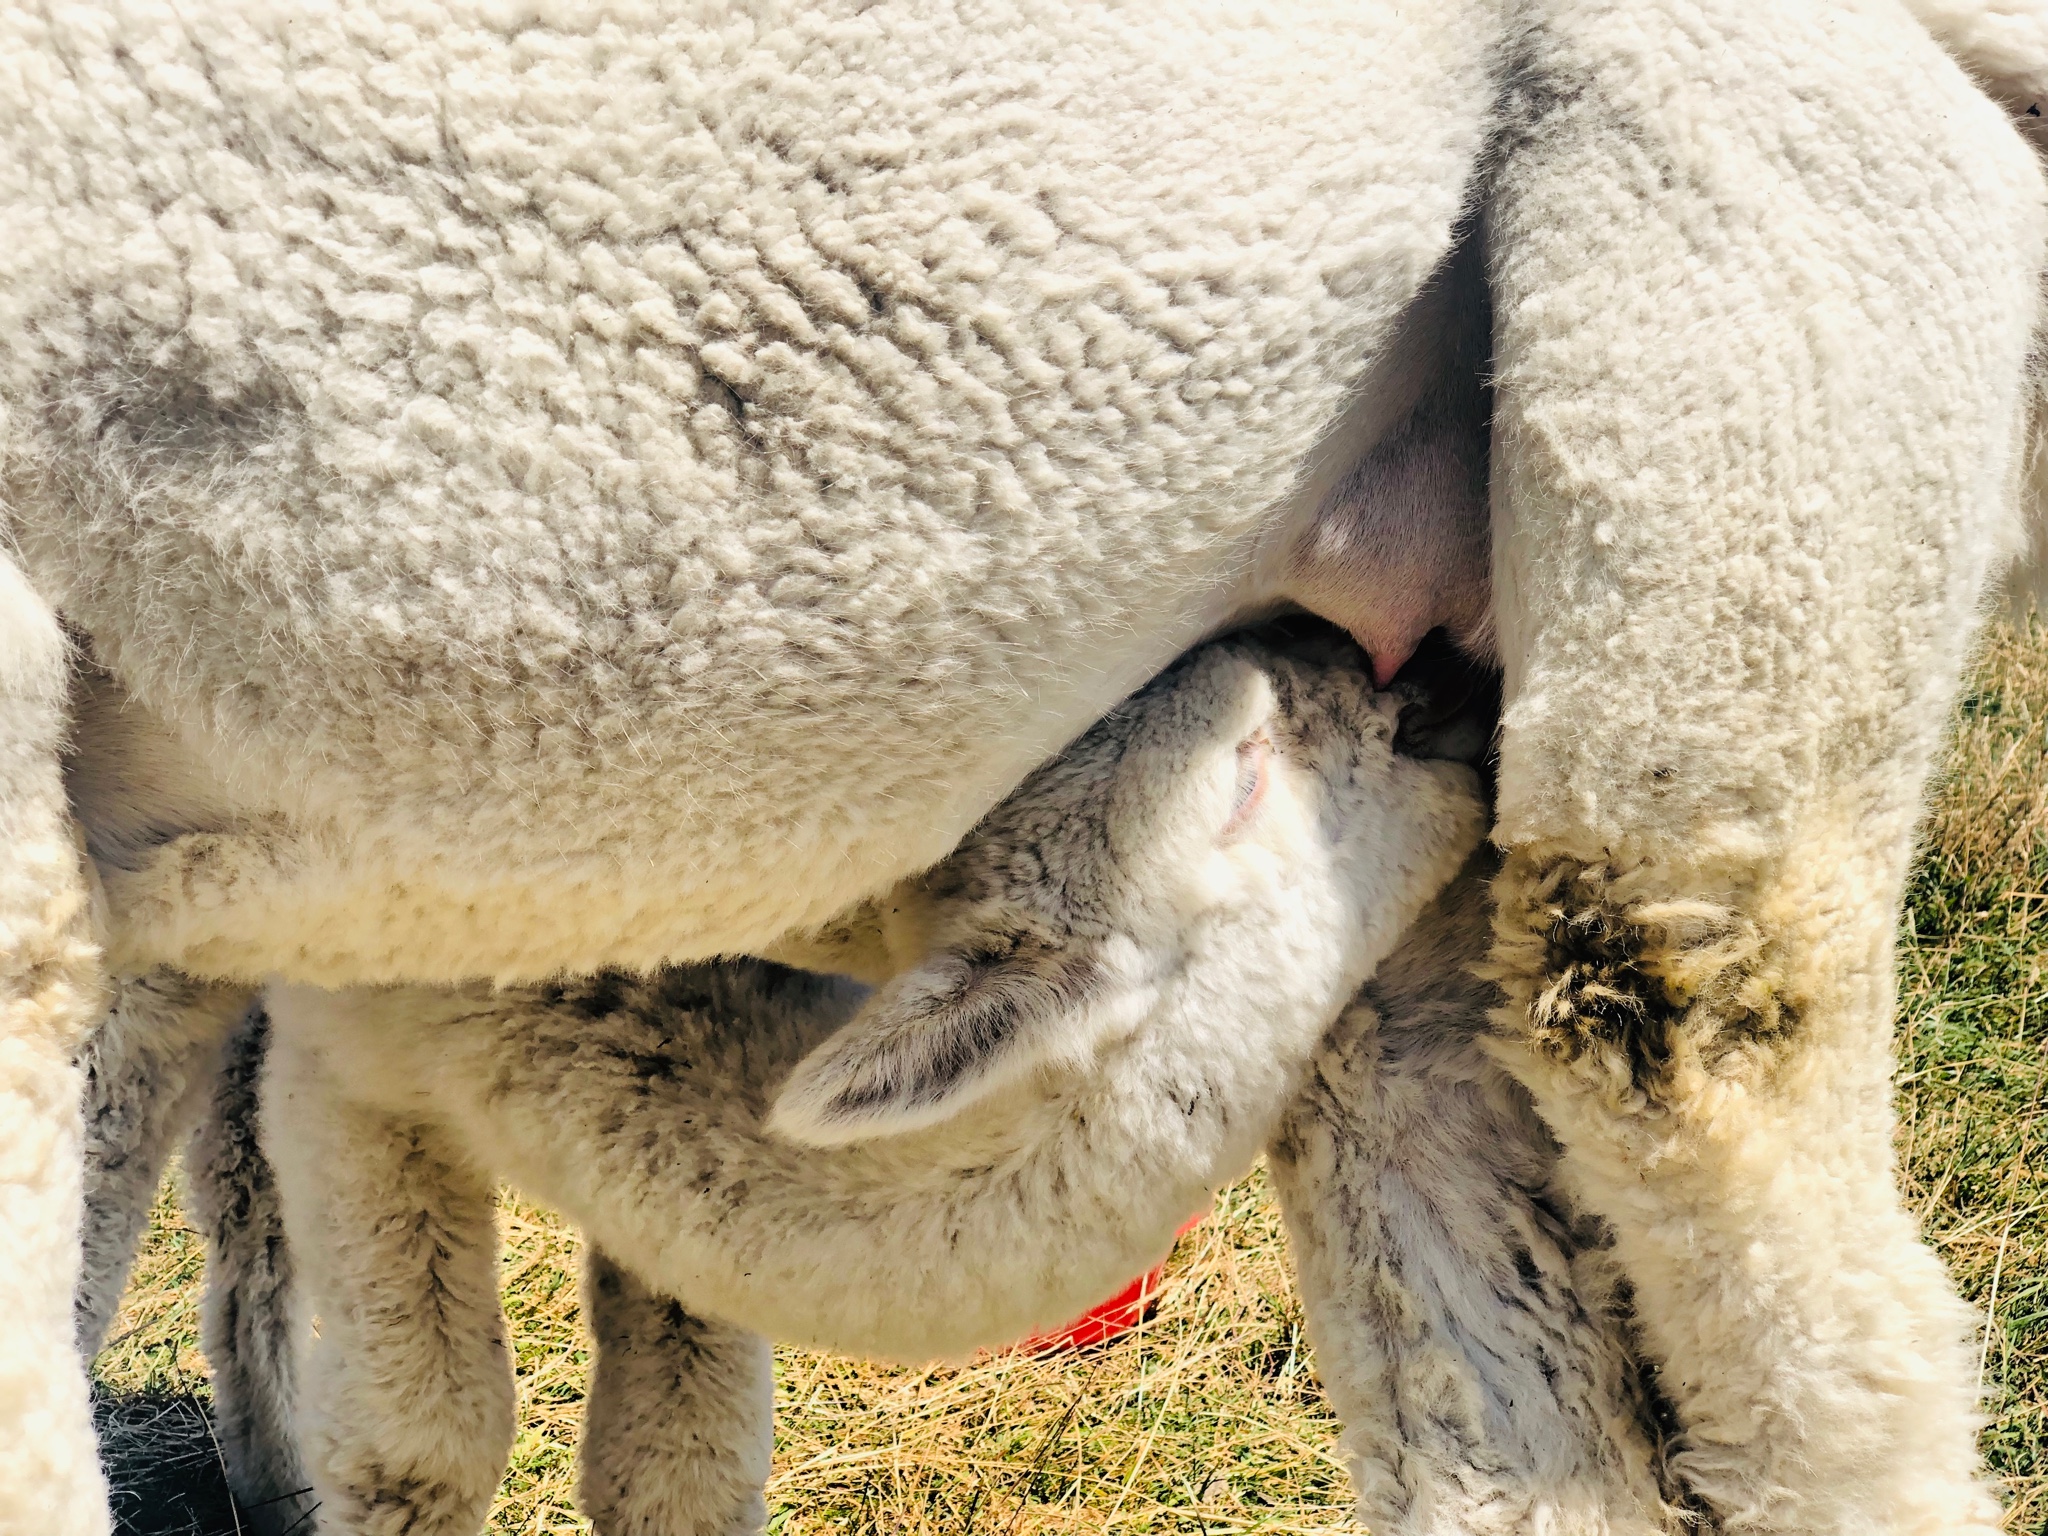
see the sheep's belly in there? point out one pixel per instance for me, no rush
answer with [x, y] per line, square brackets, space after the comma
[617, 492]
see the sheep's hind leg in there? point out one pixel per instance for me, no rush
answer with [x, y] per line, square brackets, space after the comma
[1738, 561]
[406, 1396]
[680, 1422]
[1465, 1325]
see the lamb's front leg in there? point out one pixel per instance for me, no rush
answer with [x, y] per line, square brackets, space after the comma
[680, 1422]
[148, 1067]
[407, 1409]
[250, 1323]
[1743, 530]
[1465, 1326]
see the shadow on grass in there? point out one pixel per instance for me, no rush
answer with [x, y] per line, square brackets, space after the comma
[163, 1466]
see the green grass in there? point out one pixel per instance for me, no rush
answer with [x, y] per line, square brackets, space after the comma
[1973, 1028]
[1210, 1420]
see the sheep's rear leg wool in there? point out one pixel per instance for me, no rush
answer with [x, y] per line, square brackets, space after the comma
[408, 1388]
[1717, 1070]
[1744, 524]
[680, 1422]
[50, 995]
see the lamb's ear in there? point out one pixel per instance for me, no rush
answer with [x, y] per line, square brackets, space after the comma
[935, 1039]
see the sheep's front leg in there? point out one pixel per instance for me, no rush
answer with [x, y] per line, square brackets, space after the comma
[406, 1398]
[148, 1067]
[1466, 1327]
[1747, 497]
[249, 1323]
[680, 1423]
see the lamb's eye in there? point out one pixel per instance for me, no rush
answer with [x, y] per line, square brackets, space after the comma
[1254, 754]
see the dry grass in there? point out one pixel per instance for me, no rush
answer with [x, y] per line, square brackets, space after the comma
[1206, 1420]
[1209, 1420]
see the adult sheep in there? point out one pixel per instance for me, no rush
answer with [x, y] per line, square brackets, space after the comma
[542, 488]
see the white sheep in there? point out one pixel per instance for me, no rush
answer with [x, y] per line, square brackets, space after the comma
[1120, 979]
[549, 488]
[521, 508]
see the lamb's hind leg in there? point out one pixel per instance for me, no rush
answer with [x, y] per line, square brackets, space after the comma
[1737, 563]
[249, 1324]
[1465, 1326]
[406, 1413]
[680, 1423]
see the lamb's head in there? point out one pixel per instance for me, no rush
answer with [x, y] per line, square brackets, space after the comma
[1238, 844]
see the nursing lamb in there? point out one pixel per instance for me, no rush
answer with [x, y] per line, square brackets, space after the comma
[1472, 1334]
[1124, 971]
[586, 485]
[1126, 964]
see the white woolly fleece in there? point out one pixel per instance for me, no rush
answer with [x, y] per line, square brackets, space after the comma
[589, 484]
[601, 483]
[49, 997]
[2004, 43]
[1760, 364]
[1222, 925]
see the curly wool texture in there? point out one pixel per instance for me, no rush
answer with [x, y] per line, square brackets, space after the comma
[1715, 1072]
[1736, 584]
[600, 483]
[2004, 45]
[1471, 1330]
[1469, 1324]
[1221, 933]
[1759, 364]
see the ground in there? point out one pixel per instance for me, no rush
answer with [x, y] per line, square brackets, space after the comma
[1209, 1419]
